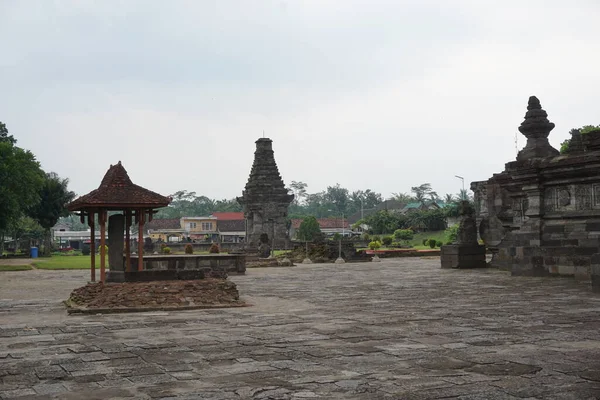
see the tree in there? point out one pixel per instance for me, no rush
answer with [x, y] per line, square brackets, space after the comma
[423, 192]
[309, 229]
[364, 199]
[385, 221]
[338, 197]
[298, 188]
[449, 198]
[54, 196]
[564, 146]
[4, 136]
[20, 181]
[403, 197]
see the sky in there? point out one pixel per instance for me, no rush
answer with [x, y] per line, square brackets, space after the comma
[380, 95]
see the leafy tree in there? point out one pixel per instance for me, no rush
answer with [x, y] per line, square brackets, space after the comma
[385, 221]
[309, 229]
[4, 136]
[54, 196]
[564, 146]
[298, 188]
[20, 181]
[338, 197]
[449, 198]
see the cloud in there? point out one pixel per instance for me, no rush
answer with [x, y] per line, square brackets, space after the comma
[382, 95]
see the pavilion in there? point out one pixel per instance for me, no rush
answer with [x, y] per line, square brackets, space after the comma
[117, 193]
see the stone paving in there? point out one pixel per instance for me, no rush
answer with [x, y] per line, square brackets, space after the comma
[399, 329]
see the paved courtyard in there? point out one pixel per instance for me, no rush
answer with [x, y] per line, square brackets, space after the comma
[399, 329]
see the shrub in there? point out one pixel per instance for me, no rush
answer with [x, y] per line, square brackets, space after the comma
[452, 233]
[439, 243]
[376, 238]
[432, 243]
[86, 250]
[366, 237]
[189, 249]
[404, 234]
[425, 241]
[166, 250]
[337, 237]
[374, 245]
[214, 248]
[387, 240]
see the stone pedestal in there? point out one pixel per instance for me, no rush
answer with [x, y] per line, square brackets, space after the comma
[116, 229]
[463, 256]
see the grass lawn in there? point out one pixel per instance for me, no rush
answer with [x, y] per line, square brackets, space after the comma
[15, 267]
[67, 262]
[417, 241]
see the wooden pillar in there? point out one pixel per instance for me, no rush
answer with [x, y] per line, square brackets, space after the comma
[141, 219]
[102, 218]
[127, 241]
[92, 226]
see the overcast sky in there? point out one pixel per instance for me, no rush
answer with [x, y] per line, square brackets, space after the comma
[368, 94]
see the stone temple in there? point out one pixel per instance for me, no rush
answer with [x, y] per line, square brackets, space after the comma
[265, 200]
[541, 215]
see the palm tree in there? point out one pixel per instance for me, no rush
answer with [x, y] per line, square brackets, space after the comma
[423, 191]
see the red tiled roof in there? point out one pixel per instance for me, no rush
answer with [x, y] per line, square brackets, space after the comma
[324, 223]
[117, 191]
[228, 216]
[166, 223]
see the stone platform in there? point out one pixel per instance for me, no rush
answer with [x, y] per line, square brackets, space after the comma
[399, 329]
[155, 295]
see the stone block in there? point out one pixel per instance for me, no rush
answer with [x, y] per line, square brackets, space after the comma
[463, 256]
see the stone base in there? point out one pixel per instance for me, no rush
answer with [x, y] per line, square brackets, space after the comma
[340, 260]
[307, 261]
[376, 259]
[463, 256]
[144, 296]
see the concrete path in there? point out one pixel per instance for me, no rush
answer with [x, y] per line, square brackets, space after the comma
[400, 329]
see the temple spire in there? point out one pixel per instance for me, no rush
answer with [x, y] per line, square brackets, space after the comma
[536, 127]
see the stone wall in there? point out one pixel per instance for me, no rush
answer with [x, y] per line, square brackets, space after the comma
[541, 215]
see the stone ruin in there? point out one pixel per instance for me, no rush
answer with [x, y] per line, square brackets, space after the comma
[466, 252]
[541, 215]
[265, 202]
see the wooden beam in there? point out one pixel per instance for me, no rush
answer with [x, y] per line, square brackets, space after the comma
[141, 217]
[92, 226]
[102, 217]
[127, 241]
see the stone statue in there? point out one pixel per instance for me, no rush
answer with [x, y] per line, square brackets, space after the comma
[467, 229]
[264, 250]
